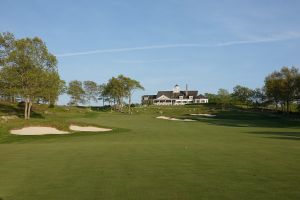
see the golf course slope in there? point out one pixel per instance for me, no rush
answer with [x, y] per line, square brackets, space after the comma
[235, 155]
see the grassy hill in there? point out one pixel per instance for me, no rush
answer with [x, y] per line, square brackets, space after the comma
[239, 154]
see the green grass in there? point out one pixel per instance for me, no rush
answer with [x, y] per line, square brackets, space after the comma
[237, 155]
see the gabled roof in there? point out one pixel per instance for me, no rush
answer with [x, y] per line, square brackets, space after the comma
[200, 96]
[163, 97]
[149, 96]
[168, 94]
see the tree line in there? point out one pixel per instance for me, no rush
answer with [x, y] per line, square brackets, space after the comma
[29, 72]
[114, 92]
[281, 89]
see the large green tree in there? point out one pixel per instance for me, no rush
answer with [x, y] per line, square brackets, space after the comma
[258, 97]
[7, 41]
[224, 98]
[273, 86]
[101, 93]
[283, 87]
[289, 85]
[76, 92]
[55, 87]
[130, 86]
[242, 94]
[25, 65]
[121, 87]
[115, 90]
[91, 90]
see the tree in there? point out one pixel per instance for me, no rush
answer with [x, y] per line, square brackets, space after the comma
[130, 86]
[55, 86]
[76, 92]
[115, 89]
[25, 64]
[242, 94]
[101, 93]
[282, 87]
[119, 88]
[224, 98]
[258, 97]
[91, 90]
[7, 40]
[298, 89]
[213, 98]
[289, 85]
[273, 86]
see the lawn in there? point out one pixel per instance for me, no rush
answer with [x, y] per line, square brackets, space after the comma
[237, 155]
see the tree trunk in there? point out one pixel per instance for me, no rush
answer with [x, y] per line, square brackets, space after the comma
[119, 105]
[110, 104]
[129, 106]
[287, 106]
[90, 106]
[29, 109]
[276, 106]
[26, 108]
[51, 102]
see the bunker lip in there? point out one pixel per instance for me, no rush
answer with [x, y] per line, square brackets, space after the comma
[38, 130]
[44, 130]
[175, 119]
[88, 128]
[202, 114]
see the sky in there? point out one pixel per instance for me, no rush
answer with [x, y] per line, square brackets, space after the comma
[205, 44]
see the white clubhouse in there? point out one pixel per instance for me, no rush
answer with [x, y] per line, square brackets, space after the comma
[175, 97]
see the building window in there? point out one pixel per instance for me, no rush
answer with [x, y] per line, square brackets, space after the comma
[180, 97]
[190, 97]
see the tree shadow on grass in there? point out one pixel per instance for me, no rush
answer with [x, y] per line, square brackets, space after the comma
[242, 118]
[10, 109]
[279, 135]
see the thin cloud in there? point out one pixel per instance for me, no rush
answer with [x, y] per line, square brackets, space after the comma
[130, 49]
[274, 38]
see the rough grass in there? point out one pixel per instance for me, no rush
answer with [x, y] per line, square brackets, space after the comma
[237, 155]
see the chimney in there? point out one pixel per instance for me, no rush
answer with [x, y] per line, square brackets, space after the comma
[186, 90]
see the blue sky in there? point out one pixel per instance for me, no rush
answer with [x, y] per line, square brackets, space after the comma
[205, 44]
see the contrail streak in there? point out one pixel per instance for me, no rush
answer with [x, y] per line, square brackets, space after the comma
[288, 36]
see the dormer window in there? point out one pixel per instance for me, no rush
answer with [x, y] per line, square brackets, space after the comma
[190, 97]
[180, 97]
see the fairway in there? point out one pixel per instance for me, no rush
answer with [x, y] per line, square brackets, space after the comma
[234, 156]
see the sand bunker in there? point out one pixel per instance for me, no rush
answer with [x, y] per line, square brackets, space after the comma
[175, 119]
[37, 131]
[205, 115]
[88, 128]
